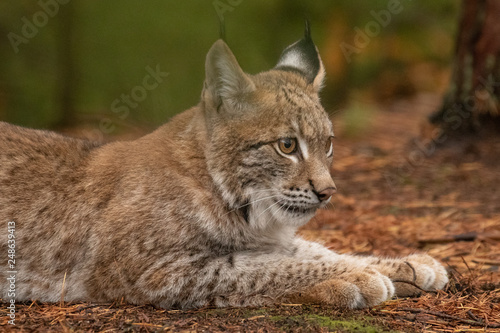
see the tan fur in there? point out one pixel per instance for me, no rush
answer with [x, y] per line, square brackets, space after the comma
[202, 211]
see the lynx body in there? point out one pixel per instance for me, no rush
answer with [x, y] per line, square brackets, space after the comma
[202, 211]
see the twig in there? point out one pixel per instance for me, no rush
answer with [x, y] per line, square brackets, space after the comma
[447, 316]
[91, 306]
[414, 285]
[472, 316]
[466, 237]
[471, 272]
[486, 262]
[413, 271]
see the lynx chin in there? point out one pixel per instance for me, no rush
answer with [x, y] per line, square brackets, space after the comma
[202, 211]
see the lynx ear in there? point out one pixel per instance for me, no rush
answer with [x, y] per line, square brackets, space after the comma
[225, 81]
[303, 57]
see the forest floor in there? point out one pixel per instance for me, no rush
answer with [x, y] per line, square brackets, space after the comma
[396, 196]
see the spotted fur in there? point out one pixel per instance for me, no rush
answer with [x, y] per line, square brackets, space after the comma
[202, 211]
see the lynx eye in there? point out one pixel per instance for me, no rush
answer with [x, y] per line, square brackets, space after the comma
[329, 147]
[287, 145]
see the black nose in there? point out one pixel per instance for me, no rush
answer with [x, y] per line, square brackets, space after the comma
[326, 193]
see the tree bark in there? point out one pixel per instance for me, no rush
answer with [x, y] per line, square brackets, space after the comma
[471, 105]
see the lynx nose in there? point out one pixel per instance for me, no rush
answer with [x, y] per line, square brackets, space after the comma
[325, 194]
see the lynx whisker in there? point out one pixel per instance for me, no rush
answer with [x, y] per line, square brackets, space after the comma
[252, 202]
[271, 206]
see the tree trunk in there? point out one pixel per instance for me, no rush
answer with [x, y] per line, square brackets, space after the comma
[471, 105]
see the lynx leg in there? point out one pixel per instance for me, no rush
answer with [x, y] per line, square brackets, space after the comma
[361, 289]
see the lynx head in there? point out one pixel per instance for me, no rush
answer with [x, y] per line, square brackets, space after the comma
[269, 146]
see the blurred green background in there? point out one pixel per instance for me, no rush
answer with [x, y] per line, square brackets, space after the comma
[75, 64]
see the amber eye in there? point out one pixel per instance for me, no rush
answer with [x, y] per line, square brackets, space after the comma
[287, 145]
[329, 148]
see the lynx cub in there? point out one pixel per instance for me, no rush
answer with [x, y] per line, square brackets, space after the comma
[203, 211]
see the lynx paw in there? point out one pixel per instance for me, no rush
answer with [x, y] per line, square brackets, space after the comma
[357, 290]
[433, 276]
[417, 269]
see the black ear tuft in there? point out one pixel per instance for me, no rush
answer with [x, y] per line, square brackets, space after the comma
[307, 30]
[302, 56]
[222, 28]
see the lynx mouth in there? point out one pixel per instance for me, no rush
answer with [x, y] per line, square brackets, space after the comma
[298, 210]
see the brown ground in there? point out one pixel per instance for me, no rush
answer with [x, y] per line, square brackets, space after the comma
[393, 199]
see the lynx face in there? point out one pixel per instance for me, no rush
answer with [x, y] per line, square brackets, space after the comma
[270, 140]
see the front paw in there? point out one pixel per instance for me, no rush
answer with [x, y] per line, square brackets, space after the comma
[431, 274]
[415, 273]
[364, 288]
